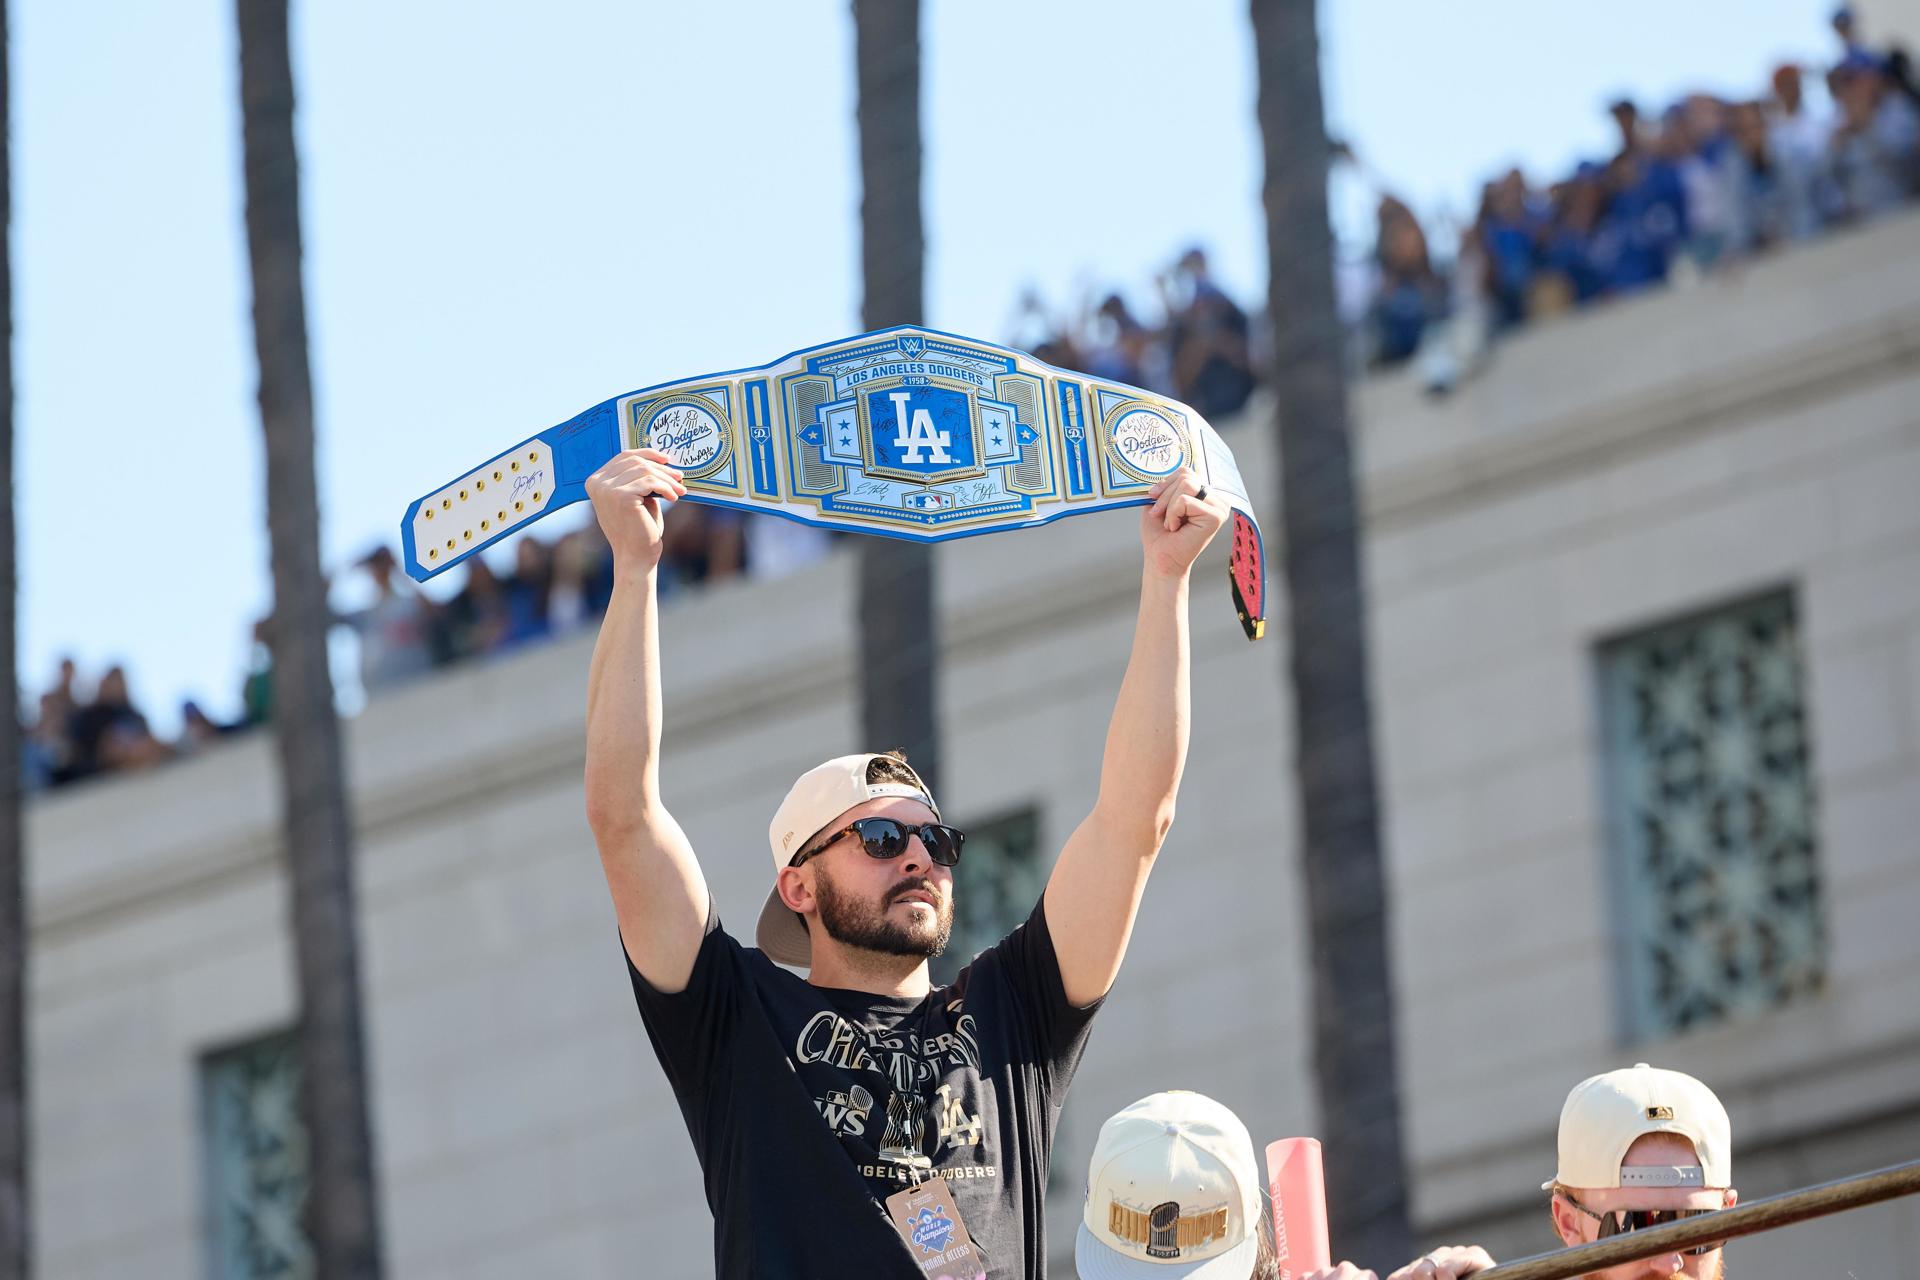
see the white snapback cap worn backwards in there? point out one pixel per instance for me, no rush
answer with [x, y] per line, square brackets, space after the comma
[1172, 1191]
[1605, 1114]
[822, 794]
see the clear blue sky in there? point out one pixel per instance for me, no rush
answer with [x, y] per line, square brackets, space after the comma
[512, 212]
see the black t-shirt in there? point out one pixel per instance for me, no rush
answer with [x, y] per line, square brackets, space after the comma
[809, 1105]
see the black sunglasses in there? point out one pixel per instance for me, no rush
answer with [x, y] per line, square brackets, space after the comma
[886, 838]
[1621, 1221]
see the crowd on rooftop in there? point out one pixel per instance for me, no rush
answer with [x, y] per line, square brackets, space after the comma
[1703, 182]
[84, 729]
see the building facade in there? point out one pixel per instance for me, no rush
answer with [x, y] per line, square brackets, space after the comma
[1645, 603]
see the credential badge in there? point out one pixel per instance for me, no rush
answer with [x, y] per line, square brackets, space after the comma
[932, 1229]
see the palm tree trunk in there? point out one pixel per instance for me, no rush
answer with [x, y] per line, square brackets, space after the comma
[14, 1224]
[898, 638]
[342, 1208]
[1354, 1068]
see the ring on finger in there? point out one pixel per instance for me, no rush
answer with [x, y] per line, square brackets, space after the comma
[1201, 494]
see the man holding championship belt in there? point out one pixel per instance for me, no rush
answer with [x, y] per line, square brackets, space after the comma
[861, 1122]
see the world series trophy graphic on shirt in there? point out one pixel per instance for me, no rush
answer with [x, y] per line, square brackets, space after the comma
[904, 433]
[906, 1127]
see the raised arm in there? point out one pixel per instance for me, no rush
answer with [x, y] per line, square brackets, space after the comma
[1095, 888]
[658, 891]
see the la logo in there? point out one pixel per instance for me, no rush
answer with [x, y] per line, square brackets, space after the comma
[917, 433]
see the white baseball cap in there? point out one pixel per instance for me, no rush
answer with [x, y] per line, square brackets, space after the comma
[1605, 1114]
[822, 794]
[1172, 1191]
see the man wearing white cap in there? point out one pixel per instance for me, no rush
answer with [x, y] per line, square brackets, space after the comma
[1639, 1147]
[1173, 1193]
[859, 1121]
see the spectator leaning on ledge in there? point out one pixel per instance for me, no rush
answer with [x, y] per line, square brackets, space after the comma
[1209, 339]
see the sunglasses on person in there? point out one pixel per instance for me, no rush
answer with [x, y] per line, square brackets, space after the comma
[886, 838]
[1621, 1221]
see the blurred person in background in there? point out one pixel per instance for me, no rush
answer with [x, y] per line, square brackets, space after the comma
[1711, 174]
[582, 579]
[256, 688]
[110, 733]
[1760, 192]
[64, 693]
[197, 729]
[1508, 228]
[1045, 336]
[46, 748]
[1207, 339]
[49, 750]
[129, 744]
[726, 543]
[1646, 212]
[395, 629]
[701, 544]
[1846, 25]
[472, 623]
[777, 546]
[1409, 295]
[1872, 153]
[1797, 142]
[1900, 75]
[524, 596]
[1626, 119]
[1581, 243]
[1033, 325]
[1117, 346]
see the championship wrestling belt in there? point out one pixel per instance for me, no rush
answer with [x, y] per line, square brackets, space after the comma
[903, 432]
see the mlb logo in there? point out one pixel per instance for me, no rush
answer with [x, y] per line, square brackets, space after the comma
[926, 501]
[921, 433]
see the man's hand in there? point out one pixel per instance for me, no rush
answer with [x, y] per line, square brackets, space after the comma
[1179, 524]
[626, 496]
[1449, 1263]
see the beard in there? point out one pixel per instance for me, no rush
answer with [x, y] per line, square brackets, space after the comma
[867, 926]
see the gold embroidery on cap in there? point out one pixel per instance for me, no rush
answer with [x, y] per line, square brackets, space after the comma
[1137, 1227]
[1659, 1113]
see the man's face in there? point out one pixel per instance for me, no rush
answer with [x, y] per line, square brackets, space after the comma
[899, 906]
[1653, 1149]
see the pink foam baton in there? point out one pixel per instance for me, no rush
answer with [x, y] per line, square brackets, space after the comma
[1299, 1195]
